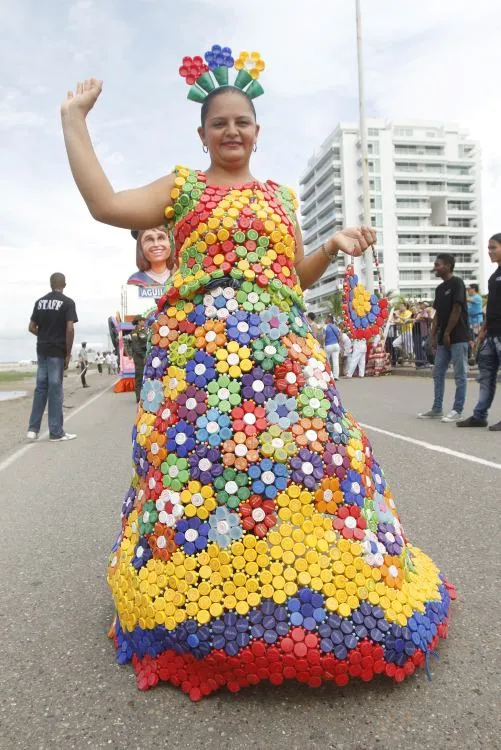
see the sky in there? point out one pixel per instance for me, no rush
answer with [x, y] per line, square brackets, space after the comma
[429, 61]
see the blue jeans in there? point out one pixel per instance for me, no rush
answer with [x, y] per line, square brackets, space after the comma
[49, 388]
[489, 360]
[458, 355]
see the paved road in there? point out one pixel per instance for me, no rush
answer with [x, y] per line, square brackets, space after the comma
[60, 686]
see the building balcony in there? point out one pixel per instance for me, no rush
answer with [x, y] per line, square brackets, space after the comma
[420, 156]
[306, 191]
[308, 223]
[465, 213]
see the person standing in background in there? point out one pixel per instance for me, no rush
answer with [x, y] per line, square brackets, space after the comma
[475, 311]
[332, 347]
[138, 344]
[99, 362]
[83, 361]
[346, 350]
[489, 345]
[315, 329]
[357, 358]
[449, 337]
[52, 322]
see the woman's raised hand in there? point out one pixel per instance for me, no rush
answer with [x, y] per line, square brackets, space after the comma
[353, 241]
[83, 98]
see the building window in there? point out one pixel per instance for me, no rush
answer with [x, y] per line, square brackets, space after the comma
[374, 166]
[375, 184]
[406, 132]
[407, 186]
[376, 202]
[373, 148]
[411, 275]
[373, 132]
[410, 258]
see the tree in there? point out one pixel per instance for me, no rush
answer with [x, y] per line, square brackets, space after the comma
[334, 303]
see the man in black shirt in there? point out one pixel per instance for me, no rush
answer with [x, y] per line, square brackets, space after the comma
[489, 345]
[52, 323]
[449, 337]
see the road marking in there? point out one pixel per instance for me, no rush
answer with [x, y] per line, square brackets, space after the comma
[433, 447]
[25, 448]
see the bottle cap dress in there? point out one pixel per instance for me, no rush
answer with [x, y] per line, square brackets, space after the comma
[259, 538]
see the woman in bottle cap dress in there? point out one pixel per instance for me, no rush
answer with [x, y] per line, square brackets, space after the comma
[259, 539]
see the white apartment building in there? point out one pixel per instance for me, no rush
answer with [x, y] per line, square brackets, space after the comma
[425, 199]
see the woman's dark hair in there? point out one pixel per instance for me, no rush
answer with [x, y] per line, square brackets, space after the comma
[496, 237]
[218, 92]
[474, 286]
[449, 259]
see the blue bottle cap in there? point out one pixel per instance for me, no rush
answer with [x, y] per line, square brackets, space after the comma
[232, 648]
[269, 622]
[268, 607]
[341, 651]
[351, 641]
[230, 633]
[218, 642]
[257, 631]
[319, 614]
[347, 626]
[282, 627]
[242, 639]
[317, 600]
[309, 623]
[270, 636]
[307, 610]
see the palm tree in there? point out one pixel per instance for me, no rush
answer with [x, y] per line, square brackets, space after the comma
[334, 303]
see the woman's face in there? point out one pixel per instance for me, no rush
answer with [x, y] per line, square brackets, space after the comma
[230, 130]
[155, 245]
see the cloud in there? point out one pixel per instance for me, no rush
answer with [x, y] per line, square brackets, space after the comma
[425, 60]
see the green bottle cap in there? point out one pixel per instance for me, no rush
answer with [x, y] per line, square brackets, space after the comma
[217, 274]
[196, 94]
[239, 237]
[221, 75]
[254, 90]
[206, 82]
[236, 273]
[243, 79]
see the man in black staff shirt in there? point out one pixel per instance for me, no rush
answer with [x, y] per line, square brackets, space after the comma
[52, 323]
[489, 345]
[449, 337]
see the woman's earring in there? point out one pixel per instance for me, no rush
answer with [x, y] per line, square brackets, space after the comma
[205, 148]
[254, 148]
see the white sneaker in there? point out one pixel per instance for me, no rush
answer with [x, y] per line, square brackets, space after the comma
[63, 438]
[452, 416]
[31, 435]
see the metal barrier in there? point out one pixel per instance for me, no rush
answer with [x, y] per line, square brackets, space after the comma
[408, 343]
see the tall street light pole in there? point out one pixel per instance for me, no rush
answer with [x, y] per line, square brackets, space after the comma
[369, 265]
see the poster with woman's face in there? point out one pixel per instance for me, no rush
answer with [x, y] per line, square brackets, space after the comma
[154, 263]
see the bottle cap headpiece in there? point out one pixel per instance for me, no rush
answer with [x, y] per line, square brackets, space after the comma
[207, 73]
